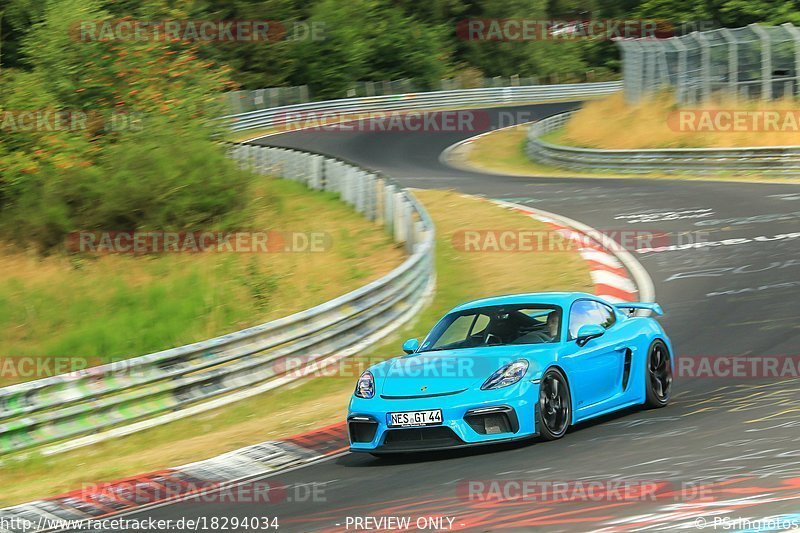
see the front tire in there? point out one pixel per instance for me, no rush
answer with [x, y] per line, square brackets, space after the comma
[554, 407]
[658, 375]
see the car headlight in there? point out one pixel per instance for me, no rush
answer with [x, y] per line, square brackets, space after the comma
[507, 375]
[366, 386]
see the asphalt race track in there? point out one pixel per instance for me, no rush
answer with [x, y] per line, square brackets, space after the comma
[724, 447]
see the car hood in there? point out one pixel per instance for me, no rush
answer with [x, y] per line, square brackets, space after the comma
[448, 371]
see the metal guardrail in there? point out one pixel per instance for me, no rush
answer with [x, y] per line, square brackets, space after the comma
[281, 116]
[770, 160]
[83, 404]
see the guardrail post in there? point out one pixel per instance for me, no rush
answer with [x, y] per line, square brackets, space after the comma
[419, 232]
[252, 153]
[370, 196]
[358, 191]
[349, 184]
[409, 225]
[299, 161]
[315, 171]
[259, 161]
[327, 174]
[336, 174]
[363, 188]
[380, 185]
[399, 216]
[242, 156]
[388, 207]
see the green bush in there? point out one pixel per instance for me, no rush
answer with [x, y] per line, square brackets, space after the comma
[162, 172]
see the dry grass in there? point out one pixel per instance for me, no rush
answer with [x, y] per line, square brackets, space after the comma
[461, 276]
[610, 123]
[503, 151]
[110, 307]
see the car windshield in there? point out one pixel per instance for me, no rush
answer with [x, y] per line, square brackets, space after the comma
[495, 326]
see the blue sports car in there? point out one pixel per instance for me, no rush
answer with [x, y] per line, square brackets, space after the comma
[512, 367]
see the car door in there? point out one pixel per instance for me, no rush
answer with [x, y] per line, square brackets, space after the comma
[596, 367]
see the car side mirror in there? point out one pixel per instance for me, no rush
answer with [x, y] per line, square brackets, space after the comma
[588, 332]
[411, 346]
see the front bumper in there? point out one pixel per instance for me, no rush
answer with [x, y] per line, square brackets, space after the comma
[470, 418]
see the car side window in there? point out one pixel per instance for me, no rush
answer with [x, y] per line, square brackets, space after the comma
[607, 314]
[589, 312]
[583, 312]
[480, 325]
[457, 331]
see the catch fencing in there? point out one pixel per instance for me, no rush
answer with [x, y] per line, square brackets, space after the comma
[755, 62]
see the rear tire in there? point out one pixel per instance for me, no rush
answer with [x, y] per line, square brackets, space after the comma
[658, 375]
[553, 409]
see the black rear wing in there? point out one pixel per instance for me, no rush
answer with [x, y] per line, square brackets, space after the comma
[631, 307]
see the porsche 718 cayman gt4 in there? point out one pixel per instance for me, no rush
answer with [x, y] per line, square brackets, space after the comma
[512, 367]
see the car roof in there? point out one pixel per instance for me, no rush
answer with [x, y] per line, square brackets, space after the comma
[561, 299]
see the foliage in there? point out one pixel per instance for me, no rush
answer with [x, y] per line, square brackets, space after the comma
[116, 164]
[385, 39]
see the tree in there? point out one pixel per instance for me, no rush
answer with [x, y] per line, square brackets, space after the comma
[368, 40]
[166, 174]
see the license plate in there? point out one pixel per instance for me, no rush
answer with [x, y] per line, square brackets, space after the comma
[415, 418]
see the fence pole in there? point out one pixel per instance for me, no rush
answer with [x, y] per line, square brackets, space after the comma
[766, 61]
[794, 31]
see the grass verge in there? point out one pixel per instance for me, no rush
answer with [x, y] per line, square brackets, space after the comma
[108, 307]
[659, 122]
[503, 152]
[314, 402]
